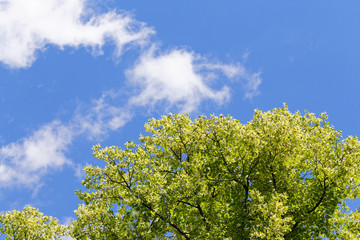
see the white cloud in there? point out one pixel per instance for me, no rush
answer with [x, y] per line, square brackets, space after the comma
[252, 83]
[6, 174]
[25, 161]
[101, 116]
[178, 77]
[175, 77]
[182, 78]
[229, 70]
[28, 26]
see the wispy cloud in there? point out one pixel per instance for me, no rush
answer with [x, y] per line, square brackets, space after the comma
[251, 85]
[250, 81]
[101, 116]
[25, 161]
[175, 78]
[29, 26]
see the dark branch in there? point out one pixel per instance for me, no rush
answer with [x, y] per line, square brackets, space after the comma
[320, 199]
[185, 235]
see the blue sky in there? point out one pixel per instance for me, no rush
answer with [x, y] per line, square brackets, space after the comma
[75, 73]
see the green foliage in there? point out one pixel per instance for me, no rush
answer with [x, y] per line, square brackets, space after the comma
[30, 224]
[280, 176]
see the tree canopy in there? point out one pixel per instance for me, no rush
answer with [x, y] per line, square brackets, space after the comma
[30, 224]
[282, 175]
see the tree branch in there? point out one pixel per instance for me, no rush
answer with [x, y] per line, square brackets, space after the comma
[170, 223]
[320, 199]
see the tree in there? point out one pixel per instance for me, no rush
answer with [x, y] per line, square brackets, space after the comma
[30, 224]
[280, 176]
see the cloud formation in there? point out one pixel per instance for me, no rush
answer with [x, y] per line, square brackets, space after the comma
[101, 116]
[174, 77]
[25, 161]
[182, 78]
[251, 85]
[27, 27]
[178, 77]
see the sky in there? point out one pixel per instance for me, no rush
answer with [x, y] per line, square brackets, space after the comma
[76, 73]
